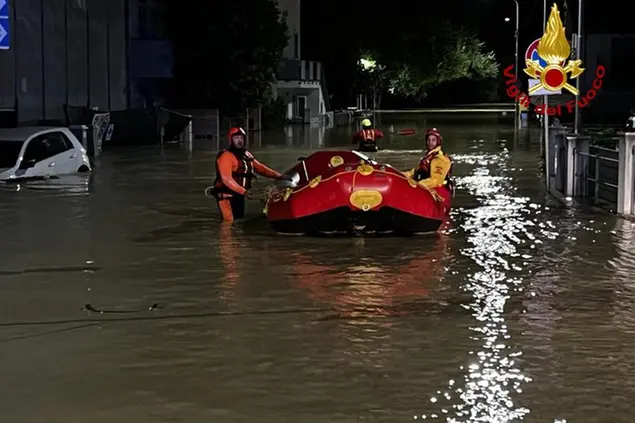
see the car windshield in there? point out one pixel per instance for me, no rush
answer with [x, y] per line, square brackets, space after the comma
[9, 152]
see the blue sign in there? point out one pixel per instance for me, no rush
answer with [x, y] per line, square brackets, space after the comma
[5, 37]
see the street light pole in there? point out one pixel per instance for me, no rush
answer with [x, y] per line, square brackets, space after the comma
[577, 124]
[545, 118]
[517, 105]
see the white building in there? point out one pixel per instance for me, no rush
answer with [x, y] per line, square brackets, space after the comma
[300, 82]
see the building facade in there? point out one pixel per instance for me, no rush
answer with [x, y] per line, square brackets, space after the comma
[151, 59]
[64, 52]
[616, 99]
[114, 54]
[300, 83]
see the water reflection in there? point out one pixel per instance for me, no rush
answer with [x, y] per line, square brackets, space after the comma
[369, 281]
[310, 137]
[67, 185]
[494, 231]
[622, 267]
[254, 326]
[229, 251]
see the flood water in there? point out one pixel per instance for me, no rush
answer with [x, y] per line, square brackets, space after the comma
[522, 309]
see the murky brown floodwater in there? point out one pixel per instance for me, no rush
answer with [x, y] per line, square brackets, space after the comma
[523, 309]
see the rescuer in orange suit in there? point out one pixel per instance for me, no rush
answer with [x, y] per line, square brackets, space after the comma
[236, 168]
[367, 137]
[435, 167]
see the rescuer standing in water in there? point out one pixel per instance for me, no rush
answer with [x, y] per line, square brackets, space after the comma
[367, 137]
[236, 168]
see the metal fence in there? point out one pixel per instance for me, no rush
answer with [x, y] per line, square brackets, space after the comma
[600, 170]
[205, 123]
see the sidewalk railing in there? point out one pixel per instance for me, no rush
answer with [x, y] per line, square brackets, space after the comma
[580, 169]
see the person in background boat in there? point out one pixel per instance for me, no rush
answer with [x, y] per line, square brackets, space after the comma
[434, 167]
[236, 168]
[367, 137]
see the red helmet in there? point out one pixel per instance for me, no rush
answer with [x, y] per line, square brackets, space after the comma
[236, 131]
[436, 133]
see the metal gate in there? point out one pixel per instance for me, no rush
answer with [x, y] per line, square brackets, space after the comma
[600, 173]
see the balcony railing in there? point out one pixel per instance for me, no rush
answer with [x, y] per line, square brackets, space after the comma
[304, 71]
[299, 70]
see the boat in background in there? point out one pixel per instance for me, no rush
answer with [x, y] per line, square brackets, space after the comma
[346, 191]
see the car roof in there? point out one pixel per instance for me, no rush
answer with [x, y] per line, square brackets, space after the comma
[24, 132]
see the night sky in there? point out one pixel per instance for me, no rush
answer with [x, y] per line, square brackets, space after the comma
[332, 30]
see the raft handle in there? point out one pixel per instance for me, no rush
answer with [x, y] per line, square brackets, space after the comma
[306, 172]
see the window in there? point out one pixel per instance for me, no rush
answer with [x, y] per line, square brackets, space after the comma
[142, 24]
[622, 51]
[36, 151]
[80, 4]
[9, 153]
[57, 142]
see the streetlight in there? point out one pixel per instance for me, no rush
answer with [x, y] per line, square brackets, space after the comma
[517, 105]
[578, 52]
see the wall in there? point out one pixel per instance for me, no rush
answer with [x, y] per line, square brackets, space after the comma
[65, 52]
[313, 103]
[613, 103]
[151, 59]
[291, 9]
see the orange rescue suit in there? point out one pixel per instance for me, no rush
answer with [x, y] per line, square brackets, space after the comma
[234, 176]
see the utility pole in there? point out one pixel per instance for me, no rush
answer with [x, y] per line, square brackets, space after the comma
[578, 53]
[545, 117]
[517, 105]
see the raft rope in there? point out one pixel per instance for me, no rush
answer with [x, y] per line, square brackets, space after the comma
[355, 172]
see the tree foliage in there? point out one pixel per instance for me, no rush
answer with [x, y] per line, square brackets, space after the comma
[417, 62]
[226, 54]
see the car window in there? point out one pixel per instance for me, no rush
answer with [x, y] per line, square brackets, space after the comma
[67, 141]
[9, 153]
[37, 150]
[57, 142]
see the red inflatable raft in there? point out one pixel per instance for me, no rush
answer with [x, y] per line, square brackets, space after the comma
[345, 191]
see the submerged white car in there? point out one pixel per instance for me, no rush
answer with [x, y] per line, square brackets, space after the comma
[40, 152]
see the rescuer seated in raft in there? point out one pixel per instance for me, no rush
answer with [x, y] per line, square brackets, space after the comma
[236, 168]
[434, 167]
[367, 137]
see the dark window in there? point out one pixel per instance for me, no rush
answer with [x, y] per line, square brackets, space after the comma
[142, 25]
[9, 153]
[57, 142]
[622, 52]
[80, 4]
[36, 151]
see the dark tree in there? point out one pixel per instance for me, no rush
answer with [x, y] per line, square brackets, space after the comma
[413, 62]
[415, 47]
[226, 53]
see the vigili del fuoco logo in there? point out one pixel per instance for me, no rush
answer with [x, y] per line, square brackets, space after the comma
[550, 71]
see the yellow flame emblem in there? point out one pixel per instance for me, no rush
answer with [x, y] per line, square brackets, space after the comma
[554, 49]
